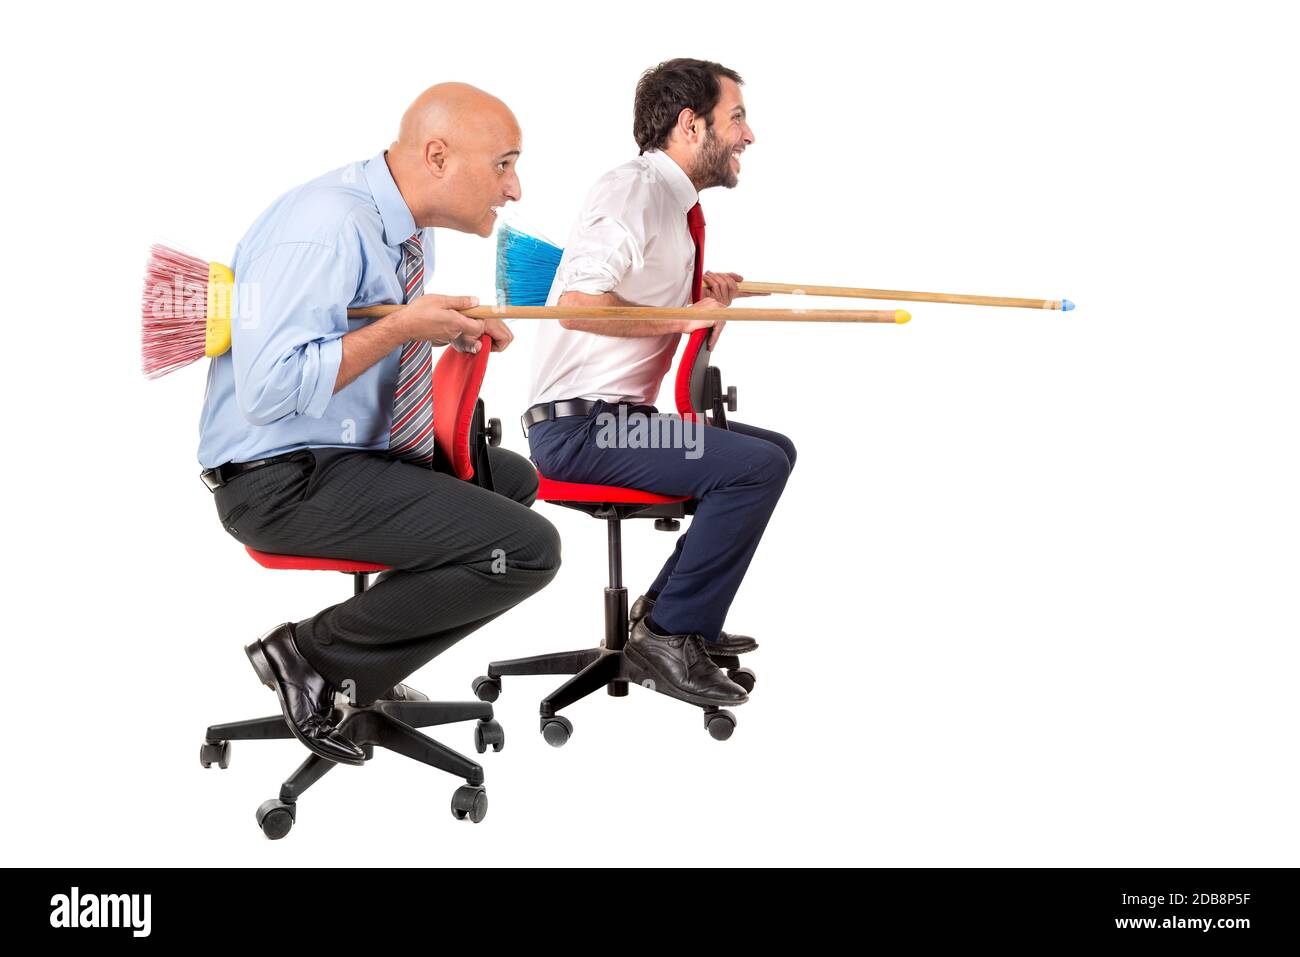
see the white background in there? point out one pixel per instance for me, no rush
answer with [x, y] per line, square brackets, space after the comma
[1030, 596]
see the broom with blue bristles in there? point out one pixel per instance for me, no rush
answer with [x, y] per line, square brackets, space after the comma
[526, 267]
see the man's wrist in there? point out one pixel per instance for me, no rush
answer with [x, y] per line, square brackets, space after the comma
[399, 326]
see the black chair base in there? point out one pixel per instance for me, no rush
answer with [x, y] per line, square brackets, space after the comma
[388, 724]
[592, 669]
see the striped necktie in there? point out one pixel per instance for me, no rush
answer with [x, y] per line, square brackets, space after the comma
[411, 436]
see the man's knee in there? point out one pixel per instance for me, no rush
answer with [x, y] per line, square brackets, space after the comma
[550, 545]
[755, 463]
[772, 464]
[788, 448]
[541, 550]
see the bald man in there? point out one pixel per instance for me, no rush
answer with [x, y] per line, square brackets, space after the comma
[317, 432]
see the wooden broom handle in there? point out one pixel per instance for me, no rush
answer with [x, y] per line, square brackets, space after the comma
[646, 312]
[899, 294]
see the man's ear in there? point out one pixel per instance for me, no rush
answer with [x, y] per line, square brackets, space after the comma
[690, 125]
[435, 156]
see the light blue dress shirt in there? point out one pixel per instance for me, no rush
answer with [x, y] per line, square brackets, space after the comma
[320, 248]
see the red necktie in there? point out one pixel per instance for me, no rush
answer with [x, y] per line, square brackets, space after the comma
[695, 222]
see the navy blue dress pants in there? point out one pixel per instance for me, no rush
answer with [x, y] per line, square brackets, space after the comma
[737, 475]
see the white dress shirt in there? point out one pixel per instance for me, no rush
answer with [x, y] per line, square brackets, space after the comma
[631, 239]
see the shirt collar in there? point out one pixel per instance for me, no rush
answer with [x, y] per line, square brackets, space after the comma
[683, 189]
[399, 224]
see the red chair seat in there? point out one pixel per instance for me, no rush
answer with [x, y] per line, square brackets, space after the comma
[549, 490]
[302, 563]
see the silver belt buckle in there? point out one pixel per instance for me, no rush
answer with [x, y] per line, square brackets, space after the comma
[212, 478]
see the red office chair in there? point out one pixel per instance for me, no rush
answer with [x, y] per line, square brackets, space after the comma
[462, 438]
[698, 390]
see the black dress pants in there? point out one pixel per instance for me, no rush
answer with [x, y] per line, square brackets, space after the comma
[460, 555]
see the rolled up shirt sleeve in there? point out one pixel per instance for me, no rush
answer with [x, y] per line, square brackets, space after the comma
[289, 319]
[603, 249]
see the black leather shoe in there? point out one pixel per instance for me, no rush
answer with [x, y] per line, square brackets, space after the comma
[726, 645]
[679, 667]
[306, 698]
[401, 692]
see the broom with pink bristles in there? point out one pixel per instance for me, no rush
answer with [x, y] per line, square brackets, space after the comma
[186, 307]
[184, 312]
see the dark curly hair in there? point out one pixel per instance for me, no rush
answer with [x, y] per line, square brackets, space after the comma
[667, 89]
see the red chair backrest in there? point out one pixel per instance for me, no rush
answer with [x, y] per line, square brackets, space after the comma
[456, 380]
[689, 391]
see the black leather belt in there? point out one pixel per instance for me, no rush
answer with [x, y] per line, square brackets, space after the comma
[219, 476]
[546, 411]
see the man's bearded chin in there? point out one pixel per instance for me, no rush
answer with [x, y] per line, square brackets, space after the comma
[713, 164]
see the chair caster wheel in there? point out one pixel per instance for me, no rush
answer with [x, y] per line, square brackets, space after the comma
[556, 730]
[469, 801]
[488, 732]
[720, 724]
[486, 689]
[743, 677]
[275, 818]
[367, 751]
[215, 751]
